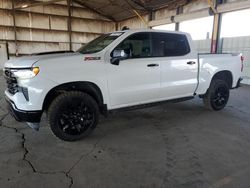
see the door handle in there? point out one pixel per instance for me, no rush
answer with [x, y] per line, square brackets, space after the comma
[153, 65]
[191, 63]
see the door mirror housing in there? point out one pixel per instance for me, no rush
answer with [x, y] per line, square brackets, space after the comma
[115, 61]
[117, 56]
[120, 54]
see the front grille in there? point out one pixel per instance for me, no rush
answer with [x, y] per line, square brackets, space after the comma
[11, 81]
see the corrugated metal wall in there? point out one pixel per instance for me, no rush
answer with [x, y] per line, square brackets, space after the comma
[203, 46]
[45, 28]
[239, 45]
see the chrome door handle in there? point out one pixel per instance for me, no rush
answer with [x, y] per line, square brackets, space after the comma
[153, 65]
[191, 63]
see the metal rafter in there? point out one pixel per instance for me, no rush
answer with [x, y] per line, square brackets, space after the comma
[141, 4]
[137, 13]
[37, 3]
[120, 6]
[94, 10]
[166, 5]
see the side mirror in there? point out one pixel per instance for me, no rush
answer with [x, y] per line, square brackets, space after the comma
[117, 56]
[115, 61]
[120, 54]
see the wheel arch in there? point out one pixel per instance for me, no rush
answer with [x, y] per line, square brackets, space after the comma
[88, 87]
[224, 75]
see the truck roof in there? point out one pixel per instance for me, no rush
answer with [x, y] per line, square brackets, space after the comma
[150, 30]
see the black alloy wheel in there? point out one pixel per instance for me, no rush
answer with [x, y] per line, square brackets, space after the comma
[220, 97]
[217, 96]
[73, 115]
[76, 119]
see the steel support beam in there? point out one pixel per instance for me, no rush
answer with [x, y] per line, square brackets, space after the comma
[215, 44]
[56, 30]
[7, 50]
[54, 15]
[14, 26]
[151, 17]
[179, 11]
[181, 17]
[212, 5]
[233, 6]
[216, 33]
[116, 26]
[69, 3]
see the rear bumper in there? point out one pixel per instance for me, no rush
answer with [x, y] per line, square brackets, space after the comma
[23, 116]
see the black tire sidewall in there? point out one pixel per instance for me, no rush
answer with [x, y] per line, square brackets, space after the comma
[55, 110]
[214, 86]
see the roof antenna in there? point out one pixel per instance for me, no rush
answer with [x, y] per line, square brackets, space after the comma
[125, 28]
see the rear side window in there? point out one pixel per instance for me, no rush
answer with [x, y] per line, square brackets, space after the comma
[169, 44]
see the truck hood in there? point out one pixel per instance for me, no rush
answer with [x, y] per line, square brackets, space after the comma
[28, 61]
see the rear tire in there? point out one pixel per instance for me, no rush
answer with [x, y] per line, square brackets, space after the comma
[217, 95]
[73, 115]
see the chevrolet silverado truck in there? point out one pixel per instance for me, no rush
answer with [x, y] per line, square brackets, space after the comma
[123, 69]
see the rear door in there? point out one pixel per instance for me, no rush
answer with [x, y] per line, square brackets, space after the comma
[135, 80]
[179, 66]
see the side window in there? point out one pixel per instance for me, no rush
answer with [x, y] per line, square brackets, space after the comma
[169, 44]
[136, 46]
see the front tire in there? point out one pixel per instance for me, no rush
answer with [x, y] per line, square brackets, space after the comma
[73, 115]
[217, 95]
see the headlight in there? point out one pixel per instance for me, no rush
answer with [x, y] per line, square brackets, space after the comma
[26, 73]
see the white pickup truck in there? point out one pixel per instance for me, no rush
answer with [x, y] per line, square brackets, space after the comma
[117, 70]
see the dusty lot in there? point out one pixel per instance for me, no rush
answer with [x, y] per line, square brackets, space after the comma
[173, 145]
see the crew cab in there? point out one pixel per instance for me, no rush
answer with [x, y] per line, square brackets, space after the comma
[123, 69]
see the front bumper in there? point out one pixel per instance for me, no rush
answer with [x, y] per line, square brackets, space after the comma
[23, 116]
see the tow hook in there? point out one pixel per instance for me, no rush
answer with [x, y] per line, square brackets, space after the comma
[34, 126]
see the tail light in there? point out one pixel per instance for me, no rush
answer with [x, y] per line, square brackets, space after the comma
[242, 58]
[242, 61]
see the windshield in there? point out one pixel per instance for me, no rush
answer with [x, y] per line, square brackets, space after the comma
[99, 43]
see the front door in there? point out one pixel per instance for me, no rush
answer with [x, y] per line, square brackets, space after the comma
[135, 80]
